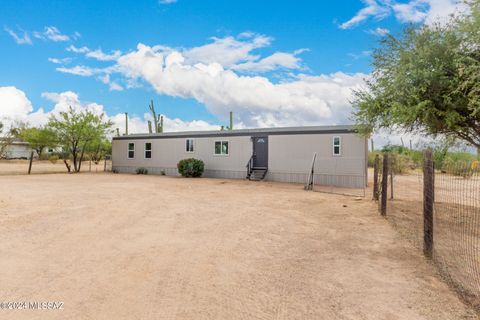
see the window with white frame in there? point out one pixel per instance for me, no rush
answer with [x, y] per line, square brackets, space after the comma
[221, 148]
[189, 145]
[337, 146]
[148, 150]
[131, 150]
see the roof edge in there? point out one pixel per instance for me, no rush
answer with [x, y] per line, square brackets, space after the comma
[244, 132]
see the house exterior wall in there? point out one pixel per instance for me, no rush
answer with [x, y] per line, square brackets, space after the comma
[17, 151]
[289, 157]
[166, 153]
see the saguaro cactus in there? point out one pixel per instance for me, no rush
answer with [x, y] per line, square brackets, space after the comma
[154, 114]
[149, 126]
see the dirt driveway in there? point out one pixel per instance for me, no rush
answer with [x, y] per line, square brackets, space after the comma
[149, 247]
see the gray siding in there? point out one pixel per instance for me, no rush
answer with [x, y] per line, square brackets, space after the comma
[166, 153]
[290, 157]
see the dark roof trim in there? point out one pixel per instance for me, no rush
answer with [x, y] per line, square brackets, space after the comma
[243, 132]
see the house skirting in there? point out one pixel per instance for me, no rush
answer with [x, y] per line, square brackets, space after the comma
[344, 181]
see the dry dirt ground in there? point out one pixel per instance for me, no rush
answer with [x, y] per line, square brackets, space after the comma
[112, 246]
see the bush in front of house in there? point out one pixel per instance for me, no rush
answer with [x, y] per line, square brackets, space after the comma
[141, 170]
[191, 167]
[53, 158]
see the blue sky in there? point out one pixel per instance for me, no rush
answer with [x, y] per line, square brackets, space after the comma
[274, 63]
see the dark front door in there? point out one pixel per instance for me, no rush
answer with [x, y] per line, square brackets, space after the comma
[260, 152]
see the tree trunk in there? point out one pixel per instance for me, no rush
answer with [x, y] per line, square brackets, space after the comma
[67, 165]
[74, 158]
[81, 157]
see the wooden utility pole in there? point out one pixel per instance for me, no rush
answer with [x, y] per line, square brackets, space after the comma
[428, 200]
[126, 123]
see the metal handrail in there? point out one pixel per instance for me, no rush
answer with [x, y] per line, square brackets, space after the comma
[249, 165]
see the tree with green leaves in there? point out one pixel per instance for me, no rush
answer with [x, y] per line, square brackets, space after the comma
[76, 130]
[426, 81]
[98, 149]
[38, 138]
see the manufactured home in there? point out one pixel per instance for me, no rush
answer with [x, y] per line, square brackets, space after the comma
[275, 154]
[15, 149]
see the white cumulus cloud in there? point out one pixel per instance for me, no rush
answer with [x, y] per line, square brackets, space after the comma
[256, 100]
[224, 75]
[15, 106]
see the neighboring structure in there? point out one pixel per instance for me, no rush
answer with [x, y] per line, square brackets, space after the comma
[15, 149]
[277, 154]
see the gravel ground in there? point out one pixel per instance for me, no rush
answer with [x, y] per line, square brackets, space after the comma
[112, 246]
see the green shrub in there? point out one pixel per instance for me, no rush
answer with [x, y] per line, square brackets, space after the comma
[191, 167]
[394, 148]
[53, 158]
[162, 173]
[141, 171]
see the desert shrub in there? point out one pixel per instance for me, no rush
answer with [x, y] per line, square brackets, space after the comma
[53, 158]
[191, 167]
[401, 163]
[114, 170]
[371, 157]
[141, 170]
[162, 173]
[394, 148]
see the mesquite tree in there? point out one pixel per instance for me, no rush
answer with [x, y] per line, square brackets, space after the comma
[38, 138]
[427, 81]
[76, 130]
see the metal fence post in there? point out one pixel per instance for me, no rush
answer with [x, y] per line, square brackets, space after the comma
[376, 166]
[428, 198]
[383, 206]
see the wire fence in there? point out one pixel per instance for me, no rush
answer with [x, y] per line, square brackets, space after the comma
[36, 166]
[437, 208]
